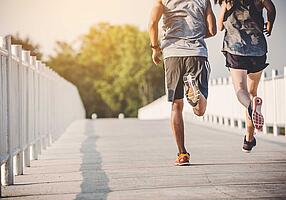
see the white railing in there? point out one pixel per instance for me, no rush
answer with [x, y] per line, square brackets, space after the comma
[36, 106]
[225, 110]
[158, 109]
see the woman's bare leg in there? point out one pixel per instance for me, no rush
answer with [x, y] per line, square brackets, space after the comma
[239, 80]
[252, 86]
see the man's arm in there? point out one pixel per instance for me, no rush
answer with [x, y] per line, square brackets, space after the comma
[271, 15]
[221, 16]
[156, 15]
[210, 21]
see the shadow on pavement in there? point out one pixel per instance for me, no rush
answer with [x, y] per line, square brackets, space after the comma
[95, 181]
[238, 163]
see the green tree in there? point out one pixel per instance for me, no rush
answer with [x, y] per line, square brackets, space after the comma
[27, 44]
[66, 63]
[112, 69]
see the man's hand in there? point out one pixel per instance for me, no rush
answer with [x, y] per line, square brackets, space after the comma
[156, 54]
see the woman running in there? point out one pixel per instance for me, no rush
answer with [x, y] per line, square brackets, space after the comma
[245, 49]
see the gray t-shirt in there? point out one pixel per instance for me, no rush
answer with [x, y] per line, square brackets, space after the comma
[184, 28]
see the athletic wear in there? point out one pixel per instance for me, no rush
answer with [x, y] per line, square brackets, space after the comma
[184, 28]
[247, 146]
[244, 25]
[183, 159]
[252, 64]
[192, 89]
[178, 67]
[257, 117]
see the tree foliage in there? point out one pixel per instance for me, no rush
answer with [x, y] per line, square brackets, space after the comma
[113, 69]
[27, 44]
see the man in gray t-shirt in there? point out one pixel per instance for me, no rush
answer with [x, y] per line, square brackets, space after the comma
[186, 23]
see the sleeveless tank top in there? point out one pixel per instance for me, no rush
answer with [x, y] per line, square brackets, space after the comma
[244, 30]
[184, 28]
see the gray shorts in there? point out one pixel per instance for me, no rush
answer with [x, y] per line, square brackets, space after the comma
[178, 67]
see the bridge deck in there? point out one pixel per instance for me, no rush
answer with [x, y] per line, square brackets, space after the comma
[131, 159]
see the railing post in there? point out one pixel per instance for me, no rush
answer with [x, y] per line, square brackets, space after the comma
[239, 123]
[35, 151]
[1, 109]
[275, 127]
[31, 104]
[38, 109]
[42, 107]
[220, 120]
[50, 107]
[10, 163]
[20, 130]
[263, 91]
[27, 157]
[26, 114]
[232, 123]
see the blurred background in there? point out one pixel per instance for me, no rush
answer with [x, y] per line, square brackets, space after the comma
[103, 48]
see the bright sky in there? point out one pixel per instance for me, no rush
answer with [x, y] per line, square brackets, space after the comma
[46, 21]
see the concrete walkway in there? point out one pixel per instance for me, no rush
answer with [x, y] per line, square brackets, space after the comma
[131, 159]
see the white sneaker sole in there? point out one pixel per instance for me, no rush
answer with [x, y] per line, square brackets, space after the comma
[192, 91]
[257, 117]
[182, 164]
[246, 151]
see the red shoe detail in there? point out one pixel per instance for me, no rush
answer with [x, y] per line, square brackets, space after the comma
[257, 117]
[183, 159]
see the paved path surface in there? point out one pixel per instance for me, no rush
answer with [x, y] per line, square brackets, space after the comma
[131, 159]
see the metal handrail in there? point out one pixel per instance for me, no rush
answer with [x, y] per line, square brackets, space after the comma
[36, 106]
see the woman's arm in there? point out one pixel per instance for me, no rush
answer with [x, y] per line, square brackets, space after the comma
[271, 15]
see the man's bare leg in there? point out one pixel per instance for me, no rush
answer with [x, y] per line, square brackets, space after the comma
[177, 124]
[200, 108]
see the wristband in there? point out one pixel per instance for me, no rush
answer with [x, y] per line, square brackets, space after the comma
[155, 46]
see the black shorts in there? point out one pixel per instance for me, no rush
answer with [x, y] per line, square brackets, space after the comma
[252, 64]
[177, 67]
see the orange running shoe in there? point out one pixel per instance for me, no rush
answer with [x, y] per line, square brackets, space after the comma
[183, 159]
